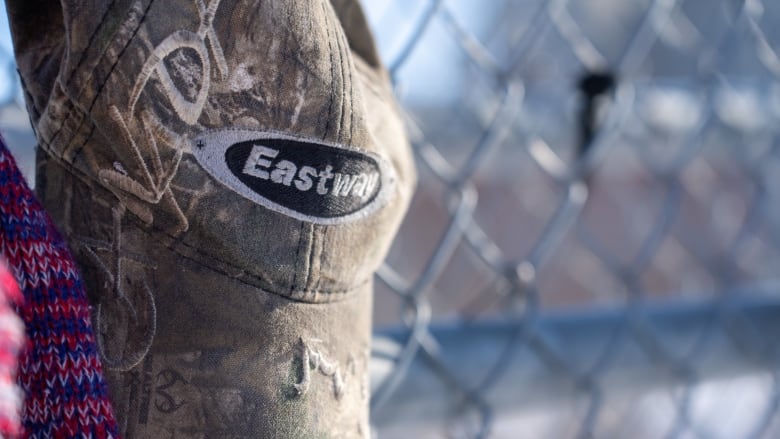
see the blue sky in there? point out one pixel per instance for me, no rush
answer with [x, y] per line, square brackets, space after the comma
[7, 74]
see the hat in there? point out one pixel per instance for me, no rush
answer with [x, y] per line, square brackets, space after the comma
[229, 174]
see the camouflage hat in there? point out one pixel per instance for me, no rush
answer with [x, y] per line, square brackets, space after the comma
[230, 174]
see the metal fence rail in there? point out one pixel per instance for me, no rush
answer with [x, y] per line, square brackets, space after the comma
[593, 250]
[498, 368]
[501, 368]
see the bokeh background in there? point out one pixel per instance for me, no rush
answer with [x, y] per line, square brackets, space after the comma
[593, 250]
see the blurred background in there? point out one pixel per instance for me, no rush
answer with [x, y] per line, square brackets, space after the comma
[593, 250]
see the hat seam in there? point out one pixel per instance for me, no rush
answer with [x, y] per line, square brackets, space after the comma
[72, 74]
[340, 293]
[74, 102]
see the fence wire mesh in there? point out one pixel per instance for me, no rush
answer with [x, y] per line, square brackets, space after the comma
[593, 247]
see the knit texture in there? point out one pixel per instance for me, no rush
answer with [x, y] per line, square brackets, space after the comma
[11, 343]
[60, 371]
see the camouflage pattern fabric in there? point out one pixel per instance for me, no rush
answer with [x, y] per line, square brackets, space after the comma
[229, 174]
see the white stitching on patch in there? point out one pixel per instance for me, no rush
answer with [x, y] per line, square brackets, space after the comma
[314, 360]
[187, 111]
[154, 187]
[149, 179]
[197, 41]
[209, 148]
[116, 277]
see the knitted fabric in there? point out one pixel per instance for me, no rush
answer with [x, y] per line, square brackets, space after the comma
[11, 343]
[60, 371]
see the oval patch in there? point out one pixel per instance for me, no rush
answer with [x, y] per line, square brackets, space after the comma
[306, 179]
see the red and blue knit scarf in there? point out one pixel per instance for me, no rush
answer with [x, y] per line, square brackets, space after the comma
[59, 371]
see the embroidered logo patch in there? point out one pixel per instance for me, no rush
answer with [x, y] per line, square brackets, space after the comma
[305, 179]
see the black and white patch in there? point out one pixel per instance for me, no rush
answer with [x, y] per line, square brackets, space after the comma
[305, 179]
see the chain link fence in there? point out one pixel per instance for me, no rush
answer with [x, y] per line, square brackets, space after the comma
[594, 246]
